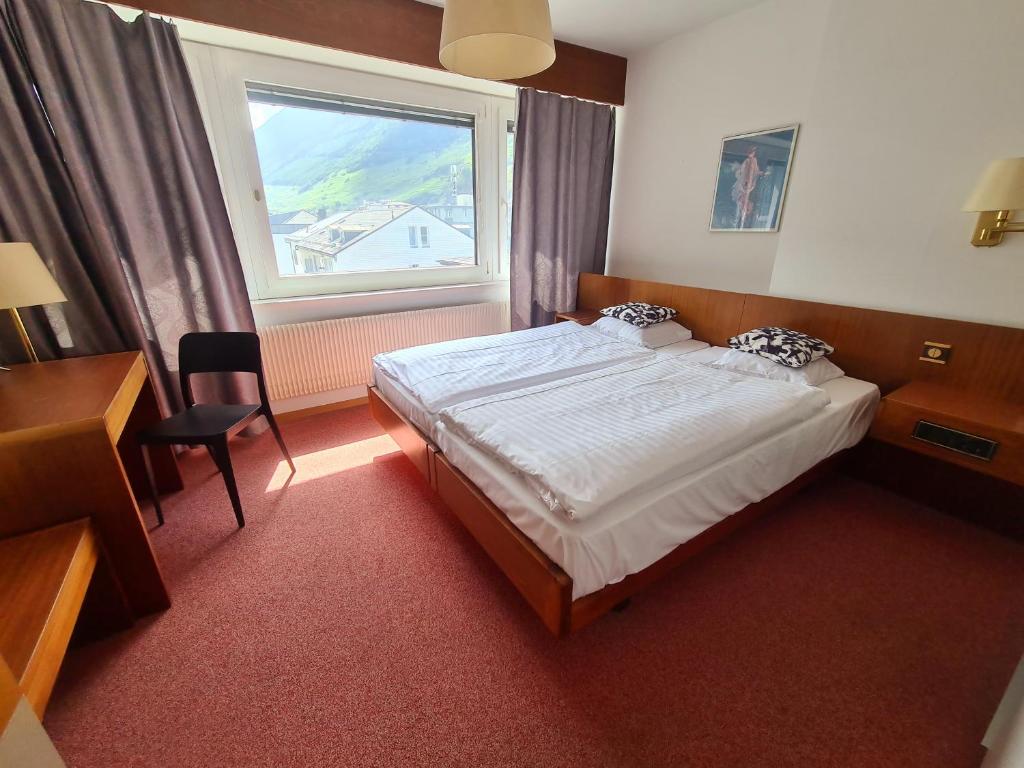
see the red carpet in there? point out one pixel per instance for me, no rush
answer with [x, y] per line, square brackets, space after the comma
[353, 622]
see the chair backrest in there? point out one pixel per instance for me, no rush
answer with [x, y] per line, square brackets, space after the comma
[220, 352]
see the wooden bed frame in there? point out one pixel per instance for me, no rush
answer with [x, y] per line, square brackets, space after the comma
[541, 581]
[870, 344]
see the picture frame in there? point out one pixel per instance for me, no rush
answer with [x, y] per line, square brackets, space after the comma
[752, 180]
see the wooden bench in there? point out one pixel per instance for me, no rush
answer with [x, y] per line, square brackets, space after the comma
[44, 576]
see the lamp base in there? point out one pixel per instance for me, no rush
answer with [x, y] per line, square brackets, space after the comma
[23, 335]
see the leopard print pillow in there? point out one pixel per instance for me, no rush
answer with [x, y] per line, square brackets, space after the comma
[640, 314]
[782, 345]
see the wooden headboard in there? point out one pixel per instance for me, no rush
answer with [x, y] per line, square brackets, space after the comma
[870, 344]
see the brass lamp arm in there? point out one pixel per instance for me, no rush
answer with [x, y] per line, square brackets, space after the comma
[991, 227]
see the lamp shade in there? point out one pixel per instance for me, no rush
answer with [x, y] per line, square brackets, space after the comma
[497, 39]
[24, 279]
[1001, 187]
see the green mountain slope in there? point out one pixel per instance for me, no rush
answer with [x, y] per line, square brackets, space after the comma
[317, 159]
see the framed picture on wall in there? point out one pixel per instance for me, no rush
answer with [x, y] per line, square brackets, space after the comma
[750, 187]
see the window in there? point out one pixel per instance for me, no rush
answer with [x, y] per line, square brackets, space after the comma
[342, 176]
[341, 181]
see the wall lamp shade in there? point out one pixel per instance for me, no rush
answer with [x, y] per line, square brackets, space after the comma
[999, 192]
[25, 282]
[497, 39]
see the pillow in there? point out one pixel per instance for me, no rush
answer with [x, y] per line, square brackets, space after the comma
[640, 314]
[652, 337]
[814, 374]
[781, 345]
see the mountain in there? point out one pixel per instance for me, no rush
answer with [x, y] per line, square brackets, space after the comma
[319, 159]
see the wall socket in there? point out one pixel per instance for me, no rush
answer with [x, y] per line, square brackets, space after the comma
[936, 352]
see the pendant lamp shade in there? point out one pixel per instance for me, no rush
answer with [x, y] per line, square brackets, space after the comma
[497, 39]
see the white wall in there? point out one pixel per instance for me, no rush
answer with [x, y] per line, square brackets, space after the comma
[901, 105]
[745, 72]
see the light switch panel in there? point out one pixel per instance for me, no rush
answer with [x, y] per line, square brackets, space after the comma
[936, 352]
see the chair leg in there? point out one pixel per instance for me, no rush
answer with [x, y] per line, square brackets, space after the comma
[213, 455]
[152, 483]
[280, 440]
[220, 450]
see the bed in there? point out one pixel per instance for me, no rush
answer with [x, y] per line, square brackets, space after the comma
[637, 528]
[573, 569]
[420, 381]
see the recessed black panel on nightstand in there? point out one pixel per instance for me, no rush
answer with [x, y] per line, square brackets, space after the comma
[955, 440]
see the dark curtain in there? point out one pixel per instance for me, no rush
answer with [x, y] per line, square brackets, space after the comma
[561, 190]
[38, 205]
[107, 170]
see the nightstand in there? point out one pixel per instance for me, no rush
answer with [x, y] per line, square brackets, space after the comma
[955, 426]
[581, 316]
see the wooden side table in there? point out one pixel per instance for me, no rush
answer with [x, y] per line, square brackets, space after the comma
[581, 316]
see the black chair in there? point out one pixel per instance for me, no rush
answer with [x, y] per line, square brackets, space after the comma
[211, 424]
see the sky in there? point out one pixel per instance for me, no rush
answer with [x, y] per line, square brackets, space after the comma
[260, 113]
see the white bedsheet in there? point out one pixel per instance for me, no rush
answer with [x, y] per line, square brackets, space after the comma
[451, 372]
[411, 407]
[587, 440]
[631, 533]
[405, 403]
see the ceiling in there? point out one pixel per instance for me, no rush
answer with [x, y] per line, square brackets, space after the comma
[627, 26]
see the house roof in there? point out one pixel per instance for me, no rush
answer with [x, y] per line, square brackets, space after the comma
[362, 222]
[286, 217]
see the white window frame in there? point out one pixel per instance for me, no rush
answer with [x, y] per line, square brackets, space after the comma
[226, 73]
[506, 118]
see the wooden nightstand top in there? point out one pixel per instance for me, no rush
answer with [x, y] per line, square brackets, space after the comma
[958, 404]
[581, 316]
[1000, 421]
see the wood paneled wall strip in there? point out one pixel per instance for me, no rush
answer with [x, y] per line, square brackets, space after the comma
[874, 345]
[400, 30]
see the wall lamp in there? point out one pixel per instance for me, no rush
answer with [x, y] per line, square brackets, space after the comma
[999, 193]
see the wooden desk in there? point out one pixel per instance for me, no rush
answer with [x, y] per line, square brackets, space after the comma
[67, 451]
[998, 420]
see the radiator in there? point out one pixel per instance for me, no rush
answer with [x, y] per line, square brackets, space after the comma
[305, 358]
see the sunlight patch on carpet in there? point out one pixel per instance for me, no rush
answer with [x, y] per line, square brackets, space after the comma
[330, 461]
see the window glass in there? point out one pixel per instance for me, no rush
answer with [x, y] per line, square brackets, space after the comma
[358, 186]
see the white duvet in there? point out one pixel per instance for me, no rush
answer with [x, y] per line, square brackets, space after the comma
[452, 372]
[585, 441]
